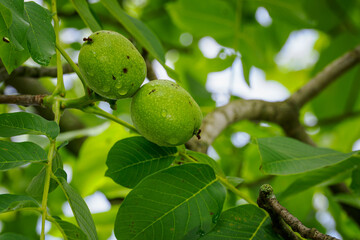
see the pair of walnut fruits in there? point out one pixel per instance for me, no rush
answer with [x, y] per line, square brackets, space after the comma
[162, 111]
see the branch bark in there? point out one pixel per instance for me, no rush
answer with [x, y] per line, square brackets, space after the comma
[24, 100]
[280, 214]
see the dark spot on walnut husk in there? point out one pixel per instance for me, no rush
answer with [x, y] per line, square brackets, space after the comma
[88, 40]
[113, 77]
[125, 70]
[152, 91]
[128, 57]
[198, 134]
[190, 103]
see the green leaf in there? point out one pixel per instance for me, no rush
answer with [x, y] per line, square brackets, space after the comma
[355, 183]
[132, 159]
[82, 7]
[284, 156]
[17, 25]
[349, 199]
[80, 209]
[243, 222]
[9, 202]
[13, 124]
[12, 236]
[71, 231]
[141, 33]
[203, 158]
[41, 35]
[36, 186]
[323, 176]
[216, 18]
[180, 202]
[16, 154]
[10, 57]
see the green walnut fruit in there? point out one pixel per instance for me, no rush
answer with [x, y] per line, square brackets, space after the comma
[111, 65]
[165, 113]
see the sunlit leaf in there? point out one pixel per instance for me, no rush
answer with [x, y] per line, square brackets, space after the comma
[245, 222]
[180, 202]
[132, 159]
[284, 156]
[71, 231]
[16, 154]
[82, 7]
[13, 124]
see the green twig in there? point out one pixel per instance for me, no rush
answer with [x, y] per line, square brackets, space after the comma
[100, 112]
[73, 66]
[60, 89]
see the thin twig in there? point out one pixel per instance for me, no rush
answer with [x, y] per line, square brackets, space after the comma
[268, 201]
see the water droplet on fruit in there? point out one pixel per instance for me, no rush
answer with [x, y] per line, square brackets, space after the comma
[173, 141]
[163, 113]
[122, 91]
[106, 88]
[118, 85]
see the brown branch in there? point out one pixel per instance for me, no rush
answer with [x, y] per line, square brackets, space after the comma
[34, 72]
[278, 213]
[24, 100]
[330, 73]
[150, 73]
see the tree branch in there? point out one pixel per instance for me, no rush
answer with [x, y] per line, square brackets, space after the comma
[34, 72]
[278, 214]
[326, 77]
[24, 100]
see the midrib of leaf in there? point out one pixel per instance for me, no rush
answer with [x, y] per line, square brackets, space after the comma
[304, 158]
[29, 129]
[174, 208]
[258, 227]
[142, 162]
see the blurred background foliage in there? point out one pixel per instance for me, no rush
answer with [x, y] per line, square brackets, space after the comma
[221, 50]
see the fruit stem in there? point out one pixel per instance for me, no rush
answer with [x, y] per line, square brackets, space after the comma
[98, 111]
[74, 67]
[223, 180]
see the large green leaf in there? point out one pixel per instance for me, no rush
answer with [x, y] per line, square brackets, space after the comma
[12, 124]
[16, 154]
[181, 202]
[140, 32]
[284, 156]
[71, 231]
[132, 159]
[245, 222]
[355, 183]
[41, 35]
[12, 236]
[9, 202]
[80, 209]
[82, 7]
[322, 176]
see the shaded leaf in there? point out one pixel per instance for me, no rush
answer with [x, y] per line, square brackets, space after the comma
[80, 209]
[71, 231]
[9, 202]
[349, 199]
[12, 236]
[82, 7]
[284, 156]
[243, 222]
[176, 203]
[323, 176]
[16, 154]
[41, 35]
[355, 183]
[36, 186]
[13, 124]
[132, 159]
[203, 158]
